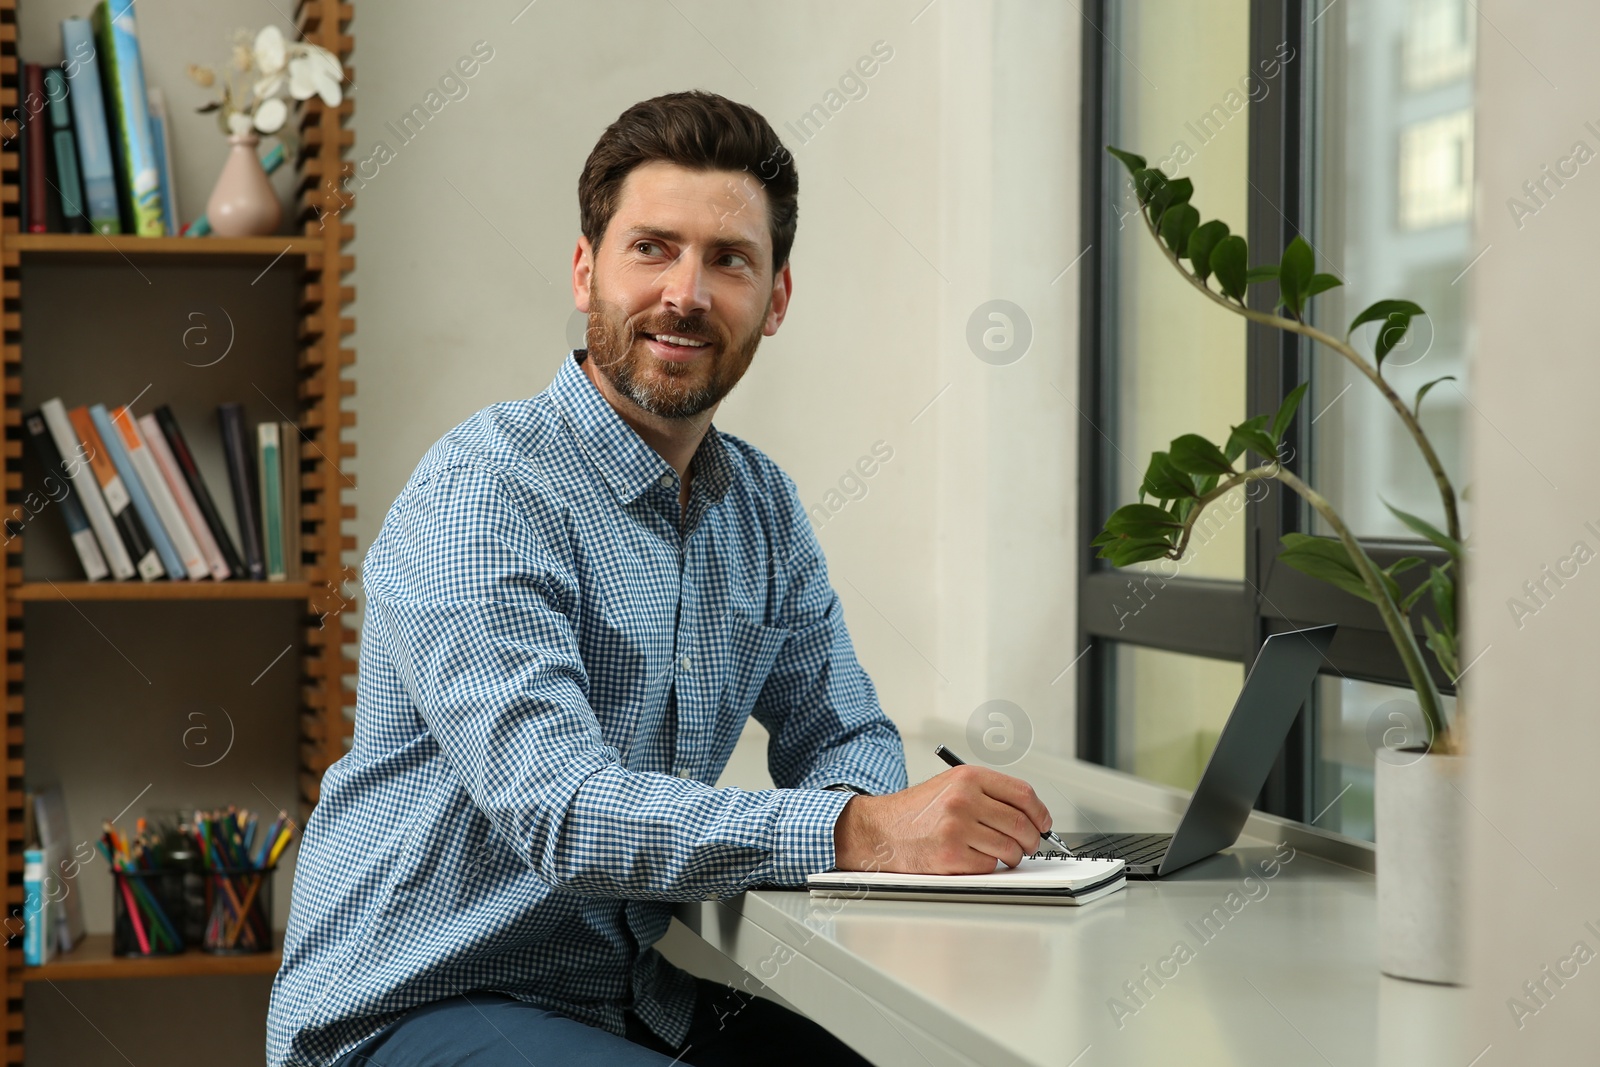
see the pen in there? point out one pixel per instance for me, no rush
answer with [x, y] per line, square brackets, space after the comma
[956, 761]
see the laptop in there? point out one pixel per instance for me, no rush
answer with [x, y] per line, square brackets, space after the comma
[1276, 687]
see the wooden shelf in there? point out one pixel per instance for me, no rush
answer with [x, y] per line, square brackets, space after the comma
[92, 959]
[185, 590]
[92, 244]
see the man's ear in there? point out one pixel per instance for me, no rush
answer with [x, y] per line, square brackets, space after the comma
[582, 273]
[782, 290]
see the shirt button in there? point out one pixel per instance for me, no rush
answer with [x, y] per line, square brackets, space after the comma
[666, 481]
[684, 663]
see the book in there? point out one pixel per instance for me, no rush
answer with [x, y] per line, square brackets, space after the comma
[197, 486]
[161, 133]
[289, 442]
[242, 479]
[38, 917]
[89, 125]
[55, 839]
[156, 442]
[155, 486]
[128, 115]
[111, 438]
[271, 487]
[129, 527]
[83, 536]
[1043, 878]
[64, 153]
[33, 132]
[77, 463]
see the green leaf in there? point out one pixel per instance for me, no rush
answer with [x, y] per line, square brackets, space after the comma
[1403, 564]
[1390, 334]
[1177, 223]
[1142, 521]
[1286, 410]
[1104, 537]
[1443, 646]
[1250, 434]
[1137, 551]
[1264, 273]
[1146, 182]
[1414, 596]
[1132, 162]
[1426, 529]
[1382, 310]
[1444, 598]
[1228, 264]
[1416, 405]
[1201, 242]
[1193, 454]
[1294, 274]
[1171, 193]
[1326, 559]
[1321, 283]
[1164, 481]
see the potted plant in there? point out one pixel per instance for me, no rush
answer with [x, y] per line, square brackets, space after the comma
[1418, 813]
[264, 73]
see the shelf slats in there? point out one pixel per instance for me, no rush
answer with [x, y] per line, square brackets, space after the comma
[185, 590]
[92, 959]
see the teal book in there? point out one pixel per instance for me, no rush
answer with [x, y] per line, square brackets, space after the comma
[271, 488]
[89, 125]
[128, 111]
[64, 150]
[36, 918]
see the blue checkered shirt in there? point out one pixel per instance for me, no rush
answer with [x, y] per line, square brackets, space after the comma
[555, 665]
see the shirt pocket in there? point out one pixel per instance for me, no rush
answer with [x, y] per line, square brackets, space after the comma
[749, 651]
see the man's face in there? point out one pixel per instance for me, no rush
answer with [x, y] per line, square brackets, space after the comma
[687, 255]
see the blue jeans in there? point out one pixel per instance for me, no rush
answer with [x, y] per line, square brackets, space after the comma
[493, 1030]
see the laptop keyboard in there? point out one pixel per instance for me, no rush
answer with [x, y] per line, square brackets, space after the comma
[1133, 848]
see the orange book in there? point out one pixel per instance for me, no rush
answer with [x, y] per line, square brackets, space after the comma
[143, 553]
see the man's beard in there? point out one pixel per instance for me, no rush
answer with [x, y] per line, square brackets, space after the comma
[661, 387]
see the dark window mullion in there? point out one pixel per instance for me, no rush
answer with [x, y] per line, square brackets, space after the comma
[1273, 356]
[1095, 698]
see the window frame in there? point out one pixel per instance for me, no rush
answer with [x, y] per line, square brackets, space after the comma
[1220, 619]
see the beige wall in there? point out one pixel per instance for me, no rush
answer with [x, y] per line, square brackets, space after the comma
[951, 182]
[1535, 733]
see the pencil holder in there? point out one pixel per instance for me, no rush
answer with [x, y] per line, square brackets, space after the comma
[147, 913]
[238, 910]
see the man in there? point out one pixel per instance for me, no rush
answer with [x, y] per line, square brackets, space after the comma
[572, 608]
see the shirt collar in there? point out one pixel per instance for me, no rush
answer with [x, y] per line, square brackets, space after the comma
[630, 466]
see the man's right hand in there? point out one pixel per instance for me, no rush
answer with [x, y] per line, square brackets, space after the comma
[958, 822]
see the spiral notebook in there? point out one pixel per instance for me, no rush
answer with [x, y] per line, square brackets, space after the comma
[1042, 878]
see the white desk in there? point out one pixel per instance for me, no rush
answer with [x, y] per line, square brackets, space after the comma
[1290, 976]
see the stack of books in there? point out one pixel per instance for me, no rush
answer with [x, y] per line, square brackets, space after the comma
[137, 505]
[95, 146]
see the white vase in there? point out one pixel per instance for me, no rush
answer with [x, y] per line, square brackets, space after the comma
[243, 203]
[1420, 824]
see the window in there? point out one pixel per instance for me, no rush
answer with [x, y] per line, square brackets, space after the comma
[1349, 124]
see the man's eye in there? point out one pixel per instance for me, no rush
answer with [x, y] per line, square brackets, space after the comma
[642, 245]
[741, 261]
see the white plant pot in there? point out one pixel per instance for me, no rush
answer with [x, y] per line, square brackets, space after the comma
[1420, 824]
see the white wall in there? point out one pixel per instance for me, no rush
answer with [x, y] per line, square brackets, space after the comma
[953, 181]
[1535, 728]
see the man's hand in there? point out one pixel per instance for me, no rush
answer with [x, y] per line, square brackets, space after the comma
[958, 822]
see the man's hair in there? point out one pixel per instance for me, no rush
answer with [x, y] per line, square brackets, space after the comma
[702, 131]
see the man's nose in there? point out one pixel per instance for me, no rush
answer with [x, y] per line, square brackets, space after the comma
[683, 287]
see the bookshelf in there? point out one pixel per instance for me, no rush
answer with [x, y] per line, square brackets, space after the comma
[315, 354]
